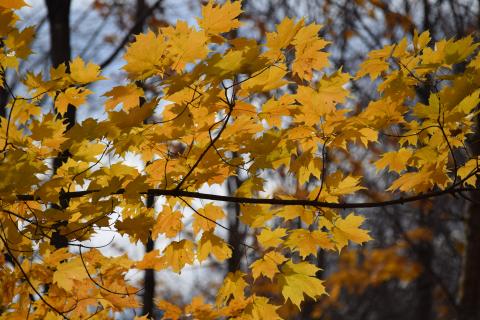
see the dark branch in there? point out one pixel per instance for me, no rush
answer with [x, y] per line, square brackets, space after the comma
[284, 202]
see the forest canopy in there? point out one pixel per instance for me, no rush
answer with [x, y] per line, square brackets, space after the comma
[201, 105]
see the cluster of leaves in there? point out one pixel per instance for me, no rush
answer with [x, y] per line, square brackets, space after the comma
[226, 106]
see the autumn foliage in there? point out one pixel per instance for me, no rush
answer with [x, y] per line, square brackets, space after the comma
[224, 106]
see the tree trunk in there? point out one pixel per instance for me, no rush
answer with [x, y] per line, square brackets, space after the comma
[149, 276]
[424, 285]
[236, 237]
[469, 295]
[470, 282]
[3, 99]
[60, 52]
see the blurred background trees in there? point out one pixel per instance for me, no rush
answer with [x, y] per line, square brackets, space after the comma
[425, 260]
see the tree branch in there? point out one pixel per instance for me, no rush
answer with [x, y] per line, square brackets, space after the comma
[272, 201]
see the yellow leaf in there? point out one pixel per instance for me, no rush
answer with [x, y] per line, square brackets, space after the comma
[468, 168]
[348, 229]
[413, 181]
[134, 116]
[422, 40]
[233, 285]
[367, 135]
[307, 242]
[347, 185]
[186, 45]
[255, 215]
[456, 51]
[168, 223]
[396, 160]
[170, 311]
[217, 19]
[146, 56]
[266, 80]
[19, 42]
[68, 272]
[207, 217]
[82, 73]
[74, 96]
[86, 151]
[151, 260]
[372, 67]
[116, 301]
[12, 4]
[179, 253]
[308, 56]
[299, 279]
[201, 310]
[135, 227]
[49, 131]
[267, 265]
[469, 103]
[276, 41]
[271, 238]
[211, 244]
[289, 213]
[128, 95]
[260, 309]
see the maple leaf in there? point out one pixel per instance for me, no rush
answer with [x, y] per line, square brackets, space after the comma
[276, 41]
[207, 217]
[260, 309]
[467, 169]
[299, 279]
[217, 19]
[151, 260]
[135, 227]
[86, 152]
[82, 73]
[134, 116]
[168, 223]
[233, 285]
[255, 216]
[186, 45]
[307, 242]
[170, 311]
[201, 310]
[74, 96]
[12, 4]
[271, 238]
[179, 253]
[145, 57]
[68, 273]
[118, 302]
[372, 67]
[422, 40]
[19, 42]
[347, 185]
[396, 160]
[211, 244]
[307, 52]
[268, 265]
[49, 131]
[127, 95]
[348, 229]
[413, 181]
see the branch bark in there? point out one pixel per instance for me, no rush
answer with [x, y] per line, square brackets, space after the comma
[272, 201]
